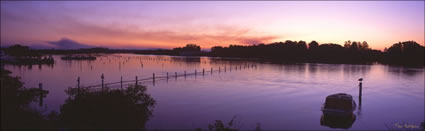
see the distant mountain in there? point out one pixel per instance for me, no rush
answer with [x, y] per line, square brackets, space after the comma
[66, 43]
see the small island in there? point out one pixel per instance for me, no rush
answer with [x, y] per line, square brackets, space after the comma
[23, 55]
[78, 57]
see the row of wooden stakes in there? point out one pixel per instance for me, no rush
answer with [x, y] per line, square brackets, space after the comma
[153, 78]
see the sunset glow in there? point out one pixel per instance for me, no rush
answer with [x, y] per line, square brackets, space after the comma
[148, 24]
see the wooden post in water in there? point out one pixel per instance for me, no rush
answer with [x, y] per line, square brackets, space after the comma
[40, 87]
[203, 71]
[121, 82]
[219, 70]
[102, 77]
[360, 88]
[167, 75]
[78, 83]
[360, 94]
[211, 70]
[184, 74]
[153, 78]
[137, 82]
[195, 72]
[224, 68]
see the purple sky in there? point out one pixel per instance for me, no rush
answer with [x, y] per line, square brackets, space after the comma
[150, 24]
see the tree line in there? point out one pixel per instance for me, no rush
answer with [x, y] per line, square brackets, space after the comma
[403, 53]
[407, 53]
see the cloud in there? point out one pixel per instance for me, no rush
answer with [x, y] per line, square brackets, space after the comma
[117, 31]
[21, 15]
[167, 38]
[258, 40]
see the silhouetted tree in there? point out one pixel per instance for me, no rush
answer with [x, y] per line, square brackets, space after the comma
[20, 51]
[192, 47]
[188, 50]
[189, 47]
[331, 53]
[15, 110]
[313, 45]
[219, 126]
[405, 53]
[359, 52]
[364, 46]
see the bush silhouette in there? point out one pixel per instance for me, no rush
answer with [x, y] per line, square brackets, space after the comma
[107, 109]
[15, 110]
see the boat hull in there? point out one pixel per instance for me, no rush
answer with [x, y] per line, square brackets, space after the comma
[339, 112]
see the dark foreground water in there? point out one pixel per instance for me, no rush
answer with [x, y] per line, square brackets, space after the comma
[278, 96]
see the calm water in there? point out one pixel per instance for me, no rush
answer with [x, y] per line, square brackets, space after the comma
[278, 96]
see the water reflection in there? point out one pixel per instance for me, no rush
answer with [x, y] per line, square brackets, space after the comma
[409, 72]
[333, 121]
[359, 111]
[187, 60]
[295, 68]
[325, 67]
[356, 69]
[29, 67]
